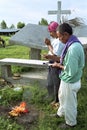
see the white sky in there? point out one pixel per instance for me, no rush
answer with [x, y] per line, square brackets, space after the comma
[32, 11]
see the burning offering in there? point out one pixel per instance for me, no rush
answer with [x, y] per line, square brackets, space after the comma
[17, 110]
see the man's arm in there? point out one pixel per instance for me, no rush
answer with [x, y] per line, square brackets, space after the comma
[52, 57]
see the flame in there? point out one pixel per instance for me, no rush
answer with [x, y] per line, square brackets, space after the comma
[22, 104]
[17, 110]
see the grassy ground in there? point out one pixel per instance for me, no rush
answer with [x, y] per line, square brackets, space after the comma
[44, 122]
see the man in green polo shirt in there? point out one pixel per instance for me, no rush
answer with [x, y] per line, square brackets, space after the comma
[71, 65]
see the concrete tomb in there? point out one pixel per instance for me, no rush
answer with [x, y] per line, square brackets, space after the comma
[32, 36]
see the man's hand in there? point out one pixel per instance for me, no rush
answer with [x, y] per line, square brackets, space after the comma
[46, 56]
[47, 42]
[58, 65]
[55, 64]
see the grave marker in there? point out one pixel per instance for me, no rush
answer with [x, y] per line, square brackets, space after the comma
[59, 12]
[32, 36]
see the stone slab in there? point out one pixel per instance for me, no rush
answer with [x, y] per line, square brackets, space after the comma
[32, 35]
[24, 62]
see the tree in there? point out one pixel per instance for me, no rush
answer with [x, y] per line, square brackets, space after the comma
[20, 25]
[43, 22]
[12, 26]
[3, 25]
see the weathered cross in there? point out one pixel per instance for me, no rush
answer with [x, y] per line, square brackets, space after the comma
[59, 12]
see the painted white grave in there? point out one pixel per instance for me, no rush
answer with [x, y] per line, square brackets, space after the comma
[81, 33]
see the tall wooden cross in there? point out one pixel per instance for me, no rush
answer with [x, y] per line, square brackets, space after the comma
[59, 12]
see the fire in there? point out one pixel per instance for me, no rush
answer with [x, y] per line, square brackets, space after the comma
[17, 110]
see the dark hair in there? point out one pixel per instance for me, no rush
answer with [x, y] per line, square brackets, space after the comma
[65, 27]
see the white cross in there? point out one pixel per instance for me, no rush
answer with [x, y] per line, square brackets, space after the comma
[59, 12]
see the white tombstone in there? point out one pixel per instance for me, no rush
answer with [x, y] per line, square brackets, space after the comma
[81, 33]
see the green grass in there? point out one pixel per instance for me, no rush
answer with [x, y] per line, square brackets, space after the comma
[15, 51]
[36, 96]
[8, 124]
[38, 93]
[9, 95]
[48, 123]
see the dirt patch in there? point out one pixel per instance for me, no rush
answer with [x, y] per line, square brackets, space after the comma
[26, 119]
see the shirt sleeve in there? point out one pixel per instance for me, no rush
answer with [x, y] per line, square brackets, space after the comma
[57, 49]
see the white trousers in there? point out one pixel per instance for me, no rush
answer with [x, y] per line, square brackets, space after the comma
[68, 101]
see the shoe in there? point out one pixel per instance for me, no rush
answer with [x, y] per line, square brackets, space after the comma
[54, 104]
[54, 115]
[65, 126]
